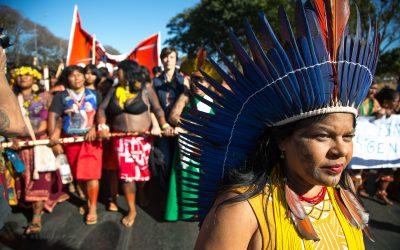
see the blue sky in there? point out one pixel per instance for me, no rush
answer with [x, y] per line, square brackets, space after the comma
[121, 24]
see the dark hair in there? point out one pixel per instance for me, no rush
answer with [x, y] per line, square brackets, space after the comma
[103, 72]
[145, 73]
[168, 50]
[132, 73]
[95, 71]
[62, 79]
[69, 70]
[257, 169]
[156, 69]
[386, 94]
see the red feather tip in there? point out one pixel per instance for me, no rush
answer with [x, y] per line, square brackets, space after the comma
[333, 16]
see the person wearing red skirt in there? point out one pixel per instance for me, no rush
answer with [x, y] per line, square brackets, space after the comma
[77, 107]
[130, 104]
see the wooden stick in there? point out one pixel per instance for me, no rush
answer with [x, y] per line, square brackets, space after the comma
[65, 140]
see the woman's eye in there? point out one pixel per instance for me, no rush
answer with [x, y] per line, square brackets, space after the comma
[348, 137]
[321, 136]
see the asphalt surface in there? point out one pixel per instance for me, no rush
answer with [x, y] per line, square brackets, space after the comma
[64, 229]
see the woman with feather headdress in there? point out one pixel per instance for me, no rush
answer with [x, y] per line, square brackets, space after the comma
[272, 159]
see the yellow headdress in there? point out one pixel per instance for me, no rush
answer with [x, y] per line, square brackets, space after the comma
[192, 66]
[26, 70]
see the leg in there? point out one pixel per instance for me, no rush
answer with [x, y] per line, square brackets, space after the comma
[113, 175]
[80, 188]
[129, 189]
[92, 187]
[143, 201]
[83, 189]
[35, 225]
[384, 182]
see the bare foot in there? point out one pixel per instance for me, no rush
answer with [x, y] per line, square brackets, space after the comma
[128, 220]
[112, 207]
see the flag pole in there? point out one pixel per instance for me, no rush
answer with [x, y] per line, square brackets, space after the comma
[71, 34]
[94, 50]
[159, 48]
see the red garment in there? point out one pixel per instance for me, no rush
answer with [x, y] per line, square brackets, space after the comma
[47, 188]
[85, 159]
[110, 161]
[133, 153]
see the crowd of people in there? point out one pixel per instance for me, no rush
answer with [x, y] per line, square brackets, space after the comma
[122, 117]
[128, 116]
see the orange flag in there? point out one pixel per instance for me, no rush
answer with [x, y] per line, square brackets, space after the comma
[80, 43]
[146, 53]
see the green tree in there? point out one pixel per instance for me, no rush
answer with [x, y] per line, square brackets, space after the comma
[389, 64]
[26, 34]
[206, 23]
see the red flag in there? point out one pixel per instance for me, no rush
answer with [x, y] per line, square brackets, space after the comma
[146, 53]
[80, 43]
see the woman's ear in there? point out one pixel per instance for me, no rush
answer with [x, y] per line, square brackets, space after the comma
[282, 144]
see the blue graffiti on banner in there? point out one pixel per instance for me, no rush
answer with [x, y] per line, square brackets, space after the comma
[377, 143]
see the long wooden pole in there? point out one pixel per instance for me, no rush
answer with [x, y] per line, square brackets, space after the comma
[64, 140]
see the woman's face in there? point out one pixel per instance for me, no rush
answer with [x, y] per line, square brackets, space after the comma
[25, 81]
[195, 89]
[391, 104]
[76, 80]
[120, 75]
[373, 90]
[318, 154]
[90, 77]
[169, 62]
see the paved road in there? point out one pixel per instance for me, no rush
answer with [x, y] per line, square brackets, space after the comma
[64, 229]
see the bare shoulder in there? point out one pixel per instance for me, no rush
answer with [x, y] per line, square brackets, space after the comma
[228, 225]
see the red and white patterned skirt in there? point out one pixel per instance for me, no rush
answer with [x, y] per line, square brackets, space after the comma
[133, 153]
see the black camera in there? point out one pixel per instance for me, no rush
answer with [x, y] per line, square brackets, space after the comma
[4, 40]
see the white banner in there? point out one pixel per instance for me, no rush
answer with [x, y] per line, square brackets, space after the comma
[377, 143]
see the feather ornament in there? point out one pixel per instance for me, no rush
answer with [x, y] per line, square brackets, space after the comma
[333, 16]
[299, 215]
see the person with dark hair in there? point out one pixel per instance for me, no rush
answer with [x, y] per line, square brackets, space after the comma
[77, 106]
[61, 82]
[11, 124]
[41, 190]
[92, 76]
[369, 107]
[388, 99]
[105, 82]
[272, 160]
[129, 105]
[168, 86]
[157, 70]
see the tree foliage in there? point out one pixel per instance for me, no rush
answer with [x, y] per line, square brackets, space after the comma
[206, 23]
[26, 35]
[389, 64]
[30, 38]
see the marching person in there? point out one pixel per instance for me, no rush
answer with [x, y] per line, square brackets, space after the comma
[77, 107]
[41, 190]
[388, 99]
[129, 105]
[168, 86]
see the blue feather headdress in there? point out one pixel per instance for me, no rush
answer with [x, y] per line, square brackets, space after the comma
[321, 70]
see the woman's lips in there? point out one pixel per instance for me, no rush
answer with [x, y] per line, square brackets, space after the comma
[337, 168]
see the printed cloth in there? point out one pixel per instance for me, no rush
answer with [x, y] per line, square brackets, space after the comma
[133, 153]
[78, 110]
